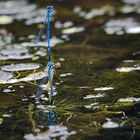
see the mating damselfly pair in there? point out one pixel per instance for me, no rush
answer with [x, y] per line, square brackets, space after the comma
[48, 80]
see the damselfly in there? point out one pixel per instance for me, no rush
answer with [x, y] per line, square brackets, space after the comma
[50, 65]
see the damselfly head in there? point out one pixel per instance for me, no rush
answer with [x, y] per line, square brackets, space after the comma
[50, 10]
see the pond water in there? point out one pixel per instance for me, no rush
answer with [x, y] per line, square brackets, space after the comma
[97, 88]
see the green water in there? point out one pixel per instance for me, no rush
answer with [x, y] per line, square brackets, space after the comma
[91, 57]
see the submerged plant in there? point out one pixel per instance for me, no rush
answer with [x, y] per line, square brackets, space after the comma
[50, 65]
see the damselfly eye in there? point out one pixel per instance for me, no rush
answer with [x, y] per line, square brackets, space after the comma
[50, 9]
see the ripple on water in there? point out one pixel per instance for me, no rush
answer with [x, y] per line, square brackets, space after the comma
[6, 115]
[94, 12]
[4, 76]
[22, 10]
[55, 131]
[20, 67]
[130, 99]
[103, 88]
[132, 1]
[121, 26]
[8, 90]
[18, 10]
[125, 69]
[110, 124]
[5, 37]
[128, 69]
[128, 61]
[73, 30]
[47, 108]
[65, 74]
[1, 120]
[92, 106]
[59, 24]
[127, 9]
[5, 20]
[34, 76]
[15, 52]
[36, 16]
[91, 96]
[53, 42]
